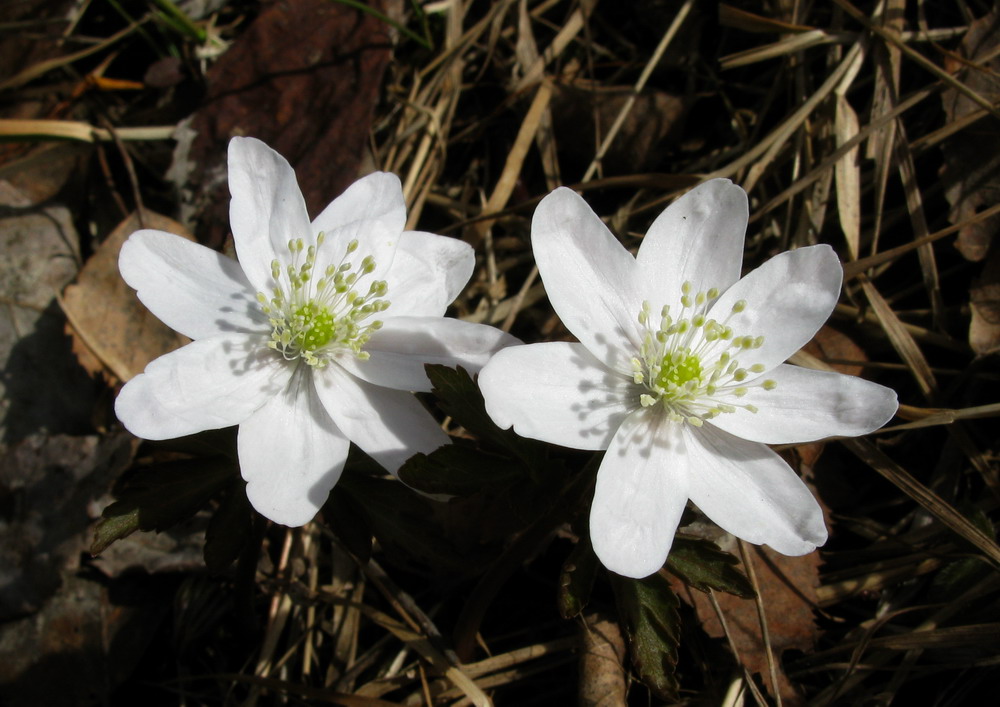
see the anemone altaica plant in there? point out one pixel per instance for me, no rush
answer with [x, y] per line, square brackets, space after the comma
[680, 374]
[314, 339]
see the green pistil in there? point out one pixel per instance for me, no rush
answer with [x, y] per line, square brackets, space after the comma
[316, 319]
[677, 369]
[316, 326]
[688, 364]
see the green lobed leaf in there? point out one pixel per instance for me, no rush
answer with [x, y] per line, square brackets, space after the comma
[457, 470]
[577, 578]
[404, 523]
[229, 529]
[702, 565]
[647, 609]
[459, 396]
[341, 515]
[160, 496]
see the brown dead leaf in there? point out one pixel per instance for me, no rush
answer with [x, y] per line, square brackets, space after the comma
[602, 654]
[114, 335]
[305, 79]
[39, 175]
[972, 156]
[984, 329]
[788, 591]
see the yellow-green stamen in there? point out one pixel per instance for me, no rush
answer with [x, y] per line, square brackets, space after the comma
[316, 320]
[689, 365]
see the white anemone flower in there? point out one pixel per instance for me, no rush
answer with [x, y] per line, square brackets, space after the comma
[316, 338]
[680, 375]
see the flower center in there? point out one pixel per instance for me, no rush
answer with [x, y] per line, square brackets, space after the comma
[688, 364]
[316, 320]
[678, 368]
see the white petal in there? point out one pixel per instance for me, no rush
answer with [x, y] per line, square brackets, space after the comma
[809, 405]
[427, 274]
[589, 277]
[399, 350]
[640, 495]
[378, 196]
[749, 491]
[206, 385]
[556, 392]
[190, 288]
[788, 299]
[697, 239]
[389, 425]
[291, 453]
[267, 209]
[370, 211]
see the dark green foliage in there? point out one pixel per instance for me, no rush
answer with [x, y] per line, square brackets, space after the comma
[459, 397]
[229, 528]
[702, 565]
[647, 611]
[458, 470]
[577, 578]
[160, 496]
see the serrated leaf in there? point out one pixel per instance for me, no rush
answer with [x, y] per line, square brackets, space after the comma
[229, 528]
[457, 470]
[459, 397]
[343, 519]
[647, 609]
[577, 578]
[702, 565]
[403, 522]
[160, 496]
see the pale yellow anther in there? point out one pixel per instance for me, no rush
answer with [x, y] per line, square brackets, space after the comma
[739, 306]
[769, 384]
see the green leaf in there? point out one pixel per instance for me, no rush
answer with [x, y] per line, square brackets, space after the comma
[457, 470]
[702, 565]
[647, 609]
[341, 516]
[231, 525]
[577, 578]
[404, 523]
[160, 496]
[459, 396]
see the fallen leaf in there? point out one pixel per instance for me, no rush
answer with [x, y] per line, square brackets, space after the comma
[602, 656]
[984, 328]
[305, 78]
[114, 335]
[788, 592]
[971, 172]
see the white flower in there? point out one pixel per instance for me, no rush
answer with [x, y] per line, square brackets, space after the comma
[679, 375]
[314, 339]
